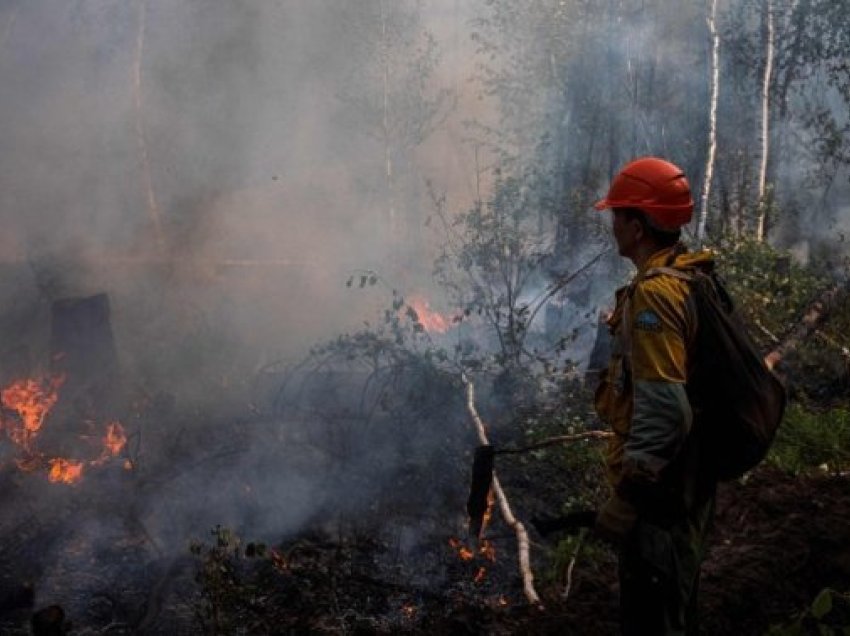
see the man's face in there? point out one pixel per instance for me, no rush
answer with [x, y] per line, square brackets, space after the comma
[627, 233]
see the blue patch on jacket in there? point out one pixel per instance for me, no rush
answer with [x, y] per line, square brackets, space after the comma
[648, 320]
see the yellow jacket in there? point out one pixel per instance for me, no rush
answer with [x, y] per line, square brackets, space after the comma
[642, 394]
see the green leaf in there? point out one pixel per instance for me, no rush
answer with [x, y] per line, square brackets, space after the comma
[822, 604]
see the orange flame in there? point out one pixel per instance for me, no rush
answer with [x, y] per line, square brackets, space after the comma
[32, 400]
[431, 321]
[480, 575]
[409, 611]
[65, 471]
[463, 552]
[279, 561]
[487, 550]
[115, 439]
[502, 601]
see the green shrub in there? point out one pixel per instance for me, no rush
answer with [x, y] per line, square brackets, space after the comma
[810, 439]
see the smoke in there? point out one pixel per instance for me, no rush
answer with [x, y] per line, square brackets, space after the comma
[266, 195]
[220, 169]
[201, 164]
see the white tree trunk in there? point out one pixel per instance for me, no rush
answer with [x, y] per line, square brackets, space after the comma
[712, 120]
[765, 124]
[523, 543]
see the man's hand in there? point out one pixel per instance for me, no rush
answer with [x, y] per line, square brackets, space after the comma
[616, 520]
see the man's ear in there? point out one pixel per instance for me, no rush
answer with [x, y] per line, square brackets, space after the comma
[639, 230]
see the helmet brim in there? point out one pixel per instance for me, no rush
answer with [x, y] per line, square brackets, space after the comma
[602, 205]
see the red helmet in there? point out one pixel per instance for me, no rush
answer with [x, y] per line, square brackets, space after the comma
[657, 188]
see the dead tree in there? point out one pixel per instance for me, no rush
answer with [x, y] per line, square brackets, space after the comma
[82, 348]
[814, 317]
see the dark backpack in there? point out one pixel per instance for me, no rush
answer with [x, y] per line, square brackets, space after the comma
[738, 402]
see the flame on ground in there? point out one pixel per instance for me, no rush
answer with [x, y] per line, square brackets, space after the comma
[65, 471]
[279, 561]
[115, 439]
[487, 550]
[431, 321]
[464, 553]
[409, 610]
[32, 400]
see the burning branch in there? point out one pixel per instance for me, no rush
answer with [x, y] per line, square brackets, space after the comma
[556, 441]
[523, 544]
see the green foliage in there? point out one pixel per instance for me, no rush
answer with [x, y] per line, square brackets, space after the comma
[770, 288]
[813, 439]
[489, 261]
[828, 615]
[497, 266]
[587, 553]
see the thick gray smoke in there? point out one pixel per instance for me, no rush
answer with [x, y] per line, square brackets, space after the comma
[205, 165]
[209, 167]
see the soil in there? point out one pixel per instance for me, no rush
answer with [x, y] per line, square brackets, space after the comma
[778, 541]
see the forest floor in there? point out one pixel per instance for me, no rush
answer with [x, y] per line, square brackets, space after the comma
[778, 541]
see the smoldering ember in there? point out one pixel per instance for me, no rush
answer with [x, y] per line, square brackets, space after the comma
[308, 323]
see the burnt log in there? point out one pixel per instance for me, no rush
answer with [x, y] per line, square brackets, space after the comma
[815, 315]
[82, 349]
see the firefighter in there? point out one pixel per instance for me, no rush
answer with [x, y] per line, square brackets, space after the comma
[661, 503]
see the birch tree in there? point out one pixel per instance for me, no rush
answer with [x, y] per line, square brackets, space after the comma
[712, 120]
[765, 122]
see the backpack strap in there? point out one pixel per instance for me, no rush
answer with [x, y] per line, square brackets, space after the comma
[669, 271]
[626, 337]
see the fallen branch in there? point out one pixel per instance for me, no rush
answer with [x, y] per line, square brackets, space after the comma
[556, 441]
[504, 506]
[815, 316]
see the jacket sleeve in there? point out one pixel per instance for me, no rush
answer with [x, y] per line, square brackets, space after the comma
[661, 417]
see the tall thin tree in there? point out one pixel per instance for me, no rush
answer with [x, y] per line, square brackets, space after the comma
[765, 123]
[712, 120]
